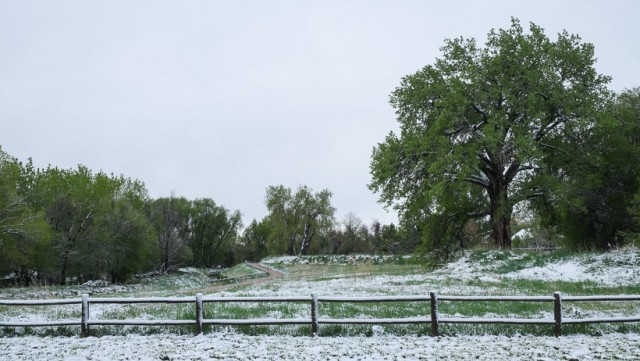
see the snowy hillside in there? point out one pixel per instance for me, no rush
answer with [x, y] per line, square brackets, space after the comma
[615, 268]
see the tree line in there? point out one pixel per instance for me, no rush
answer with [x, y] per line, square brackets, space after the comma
[58, 225]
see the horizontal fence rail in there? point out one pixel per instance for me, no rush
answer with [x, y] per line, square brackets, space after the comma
[433, 299]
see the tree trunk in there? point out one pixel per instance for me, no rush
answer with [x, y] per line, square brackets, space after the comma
[501, 232]
[66, 255]
[63, 272]
[291, 249]
[500, 216]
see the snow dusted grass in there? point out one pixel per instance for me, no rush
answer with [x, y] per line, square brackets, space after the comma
[475, 273]
[175, 283]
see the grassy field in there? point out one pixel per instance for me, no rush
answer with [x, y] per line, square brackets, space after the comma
[475, 273]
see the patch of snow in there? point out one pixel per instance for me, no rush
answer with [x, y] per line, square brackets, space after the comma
[188, 270]
[334, 259]
[377, 330]
[567, 271]
[97, 283]
[614, 268]
[523, 234]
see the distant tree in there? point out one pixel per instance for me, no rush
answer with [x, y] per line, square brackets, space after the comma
[391, 239]
[71, 200]
[212, 229]
[170, 218]
[123, 242]
[254, 240]
[24, 234]
[331, 242]
[97, 221]
[296, 218]
[477, 126]
[124, 236]
[355, 235]
[376, 236]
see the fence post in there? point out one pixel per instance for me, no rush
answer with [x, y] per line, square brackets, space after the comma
[198, 313]
[84, 322]
[434, 313]
[314, 314]
[557, 313]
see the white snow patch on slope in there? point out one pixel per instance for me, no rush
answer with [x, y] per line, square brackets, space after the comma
[615, 268]
[567, 271]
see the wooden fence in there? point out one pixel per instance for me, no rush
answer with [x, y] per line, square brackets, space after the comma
[315, 320]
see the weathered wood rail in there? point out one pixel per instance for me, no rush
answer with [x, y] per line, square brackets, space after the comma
[433, 299]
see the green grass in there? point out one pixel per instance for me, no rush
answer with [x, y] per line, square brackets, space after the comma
[369, 330]
[374, 310]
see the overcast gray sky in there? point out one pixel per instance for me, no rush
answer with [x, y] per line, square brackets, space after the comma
[221, 99]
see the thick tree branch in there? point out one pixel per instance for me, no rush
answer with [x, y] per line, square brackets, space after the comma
[479, 214]
[485, 118]
[511, 172]
[481, 181]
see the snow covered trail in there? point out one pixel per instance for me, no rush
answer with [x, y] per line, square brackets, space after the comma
[231, 346]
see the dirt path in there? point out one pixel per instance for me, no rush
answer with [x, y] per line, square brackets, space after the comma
[272, 272]
[273, 275]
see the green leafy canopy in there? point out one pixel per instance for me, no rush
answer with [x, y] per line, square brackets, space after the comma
[477, 125]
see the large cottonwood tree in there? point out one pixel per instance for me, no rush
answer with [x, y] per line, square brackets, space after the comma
[477, 125]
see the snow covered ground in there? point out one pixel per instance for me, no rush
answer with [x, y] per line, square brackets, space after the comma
[612, 268]
[615, 268]
[230, 346]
